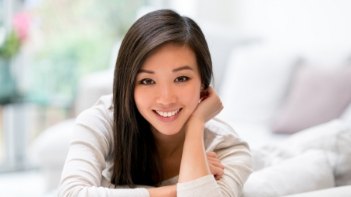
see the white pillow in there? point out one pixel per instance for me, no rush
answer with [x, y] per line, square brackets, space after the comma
[333, 137]
[306, 172]
[254, 83]
[316, 96]
[346, 116]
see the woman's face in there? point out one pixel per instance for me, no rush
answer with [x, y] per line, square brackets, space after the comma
[167, 88]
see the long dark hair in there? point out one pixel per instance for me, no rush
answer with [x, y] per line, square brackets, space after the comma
[135, 157]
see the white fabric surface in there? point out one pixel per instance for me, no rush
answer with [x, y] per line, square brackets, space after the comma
[334, 137]
[343, 191]
[256, 135]
[346, 116]
[306, 172]
[315, 158]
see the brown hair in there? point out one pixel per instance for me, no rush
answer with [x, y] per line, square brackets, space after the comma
[135, 159]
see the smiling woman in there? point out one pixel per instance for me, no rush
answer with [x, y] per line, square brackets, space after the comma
[172, 91]
[157, 134]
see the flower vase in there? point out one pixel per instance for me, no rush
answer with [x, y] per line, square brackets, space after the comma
[8, 90]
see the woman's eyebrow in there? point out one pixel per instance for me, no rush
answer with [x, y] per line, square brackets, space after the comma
[186, 67]
[146, 71]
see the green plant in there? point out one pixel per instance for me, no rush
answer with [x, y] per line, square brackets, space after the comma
[15, 36]
[78, 38]
[10, 46]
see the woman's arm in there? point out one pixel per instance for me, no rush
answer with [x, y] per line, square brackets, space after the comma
[216, 169]
[165, 191]
[194, 167]
[195, 178]
[87, 158]
[194, 163]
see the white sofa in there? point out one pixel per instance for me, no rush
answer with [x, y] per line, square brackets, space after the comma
[266, 85]
[49, 149]
[287, 106]
[254, 86]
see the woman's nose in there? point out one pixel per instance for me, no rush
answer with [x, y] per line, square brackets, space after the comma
[166, 95]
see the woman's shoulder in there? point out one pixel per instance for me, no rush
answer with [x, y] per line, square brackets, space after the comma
[219, 134]
[219, 127]
[98, 116]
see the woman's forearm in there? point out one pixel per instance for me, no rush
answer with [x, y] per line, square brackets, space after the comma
[165, 191]
[194, 161]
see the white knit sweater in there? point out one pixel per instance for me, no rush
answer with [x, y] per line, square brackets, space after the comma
[88, 165]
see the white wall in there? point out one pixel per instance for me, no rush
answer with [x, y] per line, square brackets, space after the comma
[319, 28]
[217, 19]
[312, 21]
[311, 26]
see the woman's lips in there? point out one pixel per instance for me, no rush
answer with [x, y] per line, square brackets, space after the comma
[167, 115]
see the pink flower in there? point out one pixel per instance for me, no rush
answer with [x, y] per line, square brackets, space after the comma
[21, 22]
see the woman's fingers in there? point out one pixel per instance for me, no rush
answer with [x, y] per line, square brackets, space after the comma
[217, 171]
[216, 167]
[209, 106]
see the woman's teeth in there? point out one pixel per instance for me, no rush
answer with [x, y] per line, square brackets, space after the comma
[167, 114]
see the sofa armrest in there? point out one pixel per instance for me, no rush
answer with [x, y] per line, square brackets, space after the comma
[49, 150]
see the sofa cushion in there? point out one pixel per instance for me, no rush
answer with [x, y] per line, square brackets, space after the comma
[333, 137]
[317, 95]
[254, 82]
[306, 172]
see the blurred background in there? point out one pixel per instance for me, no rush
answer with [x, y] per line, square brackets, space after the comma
[57, 58]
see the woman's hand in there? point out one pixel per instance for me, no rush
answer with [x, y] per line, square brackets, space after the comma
[209, 106]
[195, 163]
[216, 167]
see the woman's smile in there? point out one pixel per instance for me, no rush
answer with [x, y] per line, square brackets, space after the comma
[168, 114]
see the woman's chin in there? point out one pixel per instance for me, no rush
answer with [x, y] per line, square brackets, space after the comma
[166, 131]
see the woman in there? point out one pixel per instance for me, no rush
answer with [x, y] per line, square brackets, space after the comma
[150, 137]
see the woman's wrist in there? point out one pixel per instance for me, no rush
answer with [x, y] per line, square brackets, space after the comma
[195, 124]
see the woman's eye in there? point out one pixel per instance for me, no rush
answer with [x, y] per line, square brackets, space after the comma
[147, 82]
[182, 79]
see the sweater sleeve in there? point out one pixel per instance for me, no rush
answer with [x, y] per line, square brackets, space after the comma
[237, 168]
[234, 154]
[85, 165]
[203, 186]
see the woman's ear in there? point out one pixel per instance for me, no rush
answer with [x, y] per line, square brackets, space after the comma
[203, 93]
